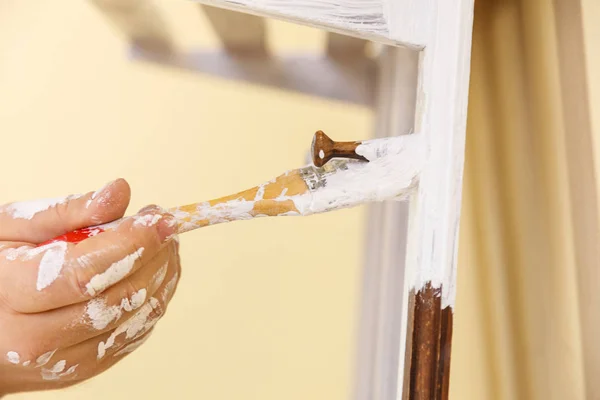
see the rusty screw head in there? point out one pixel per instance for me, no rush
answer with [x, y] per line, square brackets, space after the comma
[324, 149]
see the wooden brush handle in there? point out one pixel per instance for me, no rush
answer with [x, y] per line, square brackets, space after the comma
[269, 199]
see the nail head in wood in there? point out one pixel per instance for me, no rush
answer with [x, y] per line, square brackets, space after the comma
[324, 149]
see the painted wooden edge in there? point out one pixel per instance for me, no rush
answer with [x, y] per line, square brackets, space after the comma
[239, 32]
[583, 182]
[367, 19]
[435, 208]
[310, 74]
[140, 21]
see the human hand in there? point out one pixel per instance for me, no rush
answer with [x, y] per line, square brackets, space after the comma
[70, 311]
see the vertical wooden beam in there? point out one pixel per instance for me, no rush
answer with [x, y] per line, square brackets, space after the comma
[381, 323]
[239, 32]
[435, 208]
[140, 21]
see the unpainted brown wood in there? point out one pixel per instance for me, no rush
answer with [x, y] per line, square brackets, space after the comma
[430, 338]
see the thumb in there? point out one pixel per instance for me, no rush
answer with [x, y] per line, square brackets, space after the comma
[41, 220]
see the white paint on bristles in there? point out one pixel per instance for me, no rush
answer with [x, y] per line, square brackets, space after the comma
[29, 209]
[391, 173]
[113, 274]
[134, 327]
[13, 357]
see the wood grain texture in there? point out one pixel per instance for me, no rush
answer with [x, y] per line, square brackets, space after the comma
[240, 33]
[400, 22]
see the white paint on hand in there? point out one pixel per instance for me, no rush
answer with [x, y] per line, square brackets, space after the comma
[158, 277]
[134, 327]
[56, 372]
[101, 315]
[29, 209]
[13, 357]
[146, 220]
[321, 154]
[51, 264]
[113, 274]
[132, 346]
[169, 288]
[26, 363]
[44, 358]
[104, 198]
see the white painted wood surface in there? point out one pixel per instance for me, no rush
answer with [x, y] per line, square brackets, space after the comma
[383, 285]
[398, 22]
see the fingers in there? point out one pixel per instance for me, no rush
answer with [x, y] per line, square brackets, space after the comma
[59, 274]
[90, 357]
[67, 326]
[41, 220]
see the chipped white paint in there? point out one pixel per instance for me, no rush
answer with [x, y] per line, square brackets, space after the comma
[51, 264]
[44, 358]
[13, 357]
[402, 22]
[113, 274]
[29, 209]
[134, 327]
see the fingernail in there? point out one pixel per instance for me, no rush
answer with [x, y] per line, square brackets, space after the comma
[167, 228]
[100, 194]
[152, 208]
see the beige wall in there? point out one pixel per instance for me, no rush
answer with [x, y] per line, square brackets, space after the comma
[266, 308]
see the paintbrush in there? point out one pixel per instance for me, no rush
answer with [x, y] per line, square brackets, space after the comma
[343, 174]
